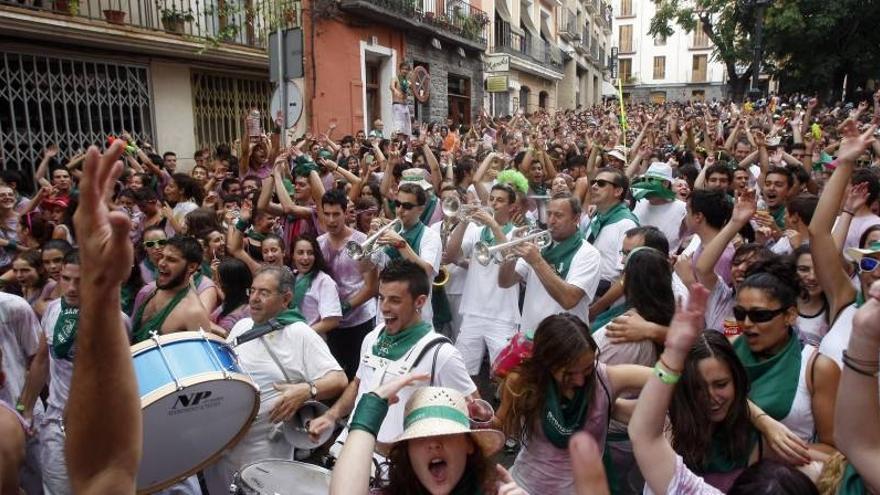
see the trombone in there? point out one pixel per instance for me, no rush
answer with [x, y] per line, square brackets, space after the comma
[453, 208]
[500, 253]
[357, 251]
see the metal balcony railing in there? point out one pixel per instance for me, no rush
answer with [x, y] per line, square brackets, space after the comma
[529, 47]
[567, 22]
[454, 16]
[242, 22]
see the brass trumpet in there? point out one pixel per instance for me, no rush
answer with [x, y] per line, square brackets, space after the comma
[442, 277]
[357, 251]
[500, 253]
[453, 208]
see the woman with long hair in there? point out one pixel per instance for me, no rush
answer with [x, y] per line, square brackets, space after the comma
[561, 389]
[812, 323]
[34, 284]
[315, 293]
[234, 278]
[52, 254]
[438, 452]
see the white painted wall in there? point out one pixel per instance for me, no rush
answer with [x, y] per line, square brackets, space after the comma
[173, 103]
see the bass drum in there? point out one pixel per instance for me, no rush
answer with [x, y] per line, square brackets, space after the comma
[279, 477]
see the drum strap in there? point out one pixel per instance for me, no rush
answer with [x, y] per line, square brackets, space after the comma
[257, 331]
[281, 368]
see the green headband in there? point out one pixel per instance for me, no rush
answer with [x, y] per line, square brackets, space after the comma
[437, 412]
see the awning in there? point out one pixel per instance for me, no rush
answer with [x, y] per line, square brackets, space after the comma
[608, 89]
[545, 28]
[526, 20]
[502, 11]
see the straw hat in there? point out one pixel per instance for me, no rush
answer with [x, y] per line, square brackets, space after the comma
[437, 411]
[418, 176]
[618, 152]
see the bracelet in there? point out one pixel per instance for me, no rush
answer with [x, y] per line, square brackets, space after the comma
[665, 376]
[849, 212]
[848, 363]
[670, 368]
[864, 362]
[369, 414]
[761, 415]
[12, 245]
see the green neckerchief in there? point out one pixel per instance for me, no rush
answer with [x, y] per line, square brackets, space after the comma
[563, 417]
[488, 238]
[538, 189]
[614, 214]
[393, 347]
[303, 282]
[290, 315]
[413, 237]
[127, 293]
[257, 236]
[860, 299]
[779, 217]
[851, 483]
[773, 381]
[141, 330]
[719, 460]
[469, 484]
[609, 314]
[428, 212]
[559, 254]
[404, 84]
[651, 189]
[151, 267]
[64, 333]
[205, 271]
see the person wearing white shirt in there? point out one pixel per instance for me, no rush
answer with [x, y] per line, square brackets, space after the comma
[657, 205]
[611, 221]
[289, 362]
[562, 277]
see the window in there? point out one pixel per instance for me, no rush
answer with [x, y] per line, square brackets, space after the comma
[659, 67]
[217, 103]
[660, 40]
[699, 68]
[524, 98]
[700, 38]
[626, 7]
[458, 93]
[698, 95]
[626, 39]
[658, 97]
[625, 69]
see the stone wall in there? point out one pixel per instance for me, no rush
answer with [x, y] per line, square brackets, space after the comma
[640, 94]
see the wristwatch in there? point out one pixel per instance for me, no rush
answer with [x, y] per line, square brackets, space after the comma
[313, 391]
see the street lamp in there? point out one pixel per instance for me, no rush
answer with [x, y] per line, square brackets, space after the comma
[759, 6]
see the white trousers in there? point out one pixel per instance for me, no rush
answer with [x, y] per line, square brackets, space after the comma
[402, 120]
[478, 334]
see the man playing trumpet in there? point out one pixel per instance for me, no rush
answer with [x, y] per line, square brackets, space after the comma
[560, 278]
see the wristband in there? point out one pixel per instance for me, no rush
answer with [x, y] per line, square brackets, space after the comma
[369, 414]
[19, 407]
[665, 376]
[848, 212]
[855, 365]
[345, 306]
[242, 225]
[11, 245]
[670, 368]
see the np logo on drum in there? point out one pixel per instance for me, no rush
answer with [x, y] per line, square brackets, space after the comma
[194, 402]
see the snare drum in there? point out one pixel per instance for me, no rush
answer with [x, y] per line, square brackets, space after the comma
[278, 477]
[196, 403]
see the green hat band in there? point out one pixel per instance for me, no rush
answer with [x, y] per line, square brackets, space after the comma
[437, 412]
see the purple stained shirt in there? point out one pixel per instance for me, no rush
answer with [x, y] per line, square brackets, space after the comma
[347, 275]
[722, 266]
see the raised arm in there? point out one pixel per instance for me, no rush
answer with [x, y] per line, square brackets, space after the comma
[743, 210]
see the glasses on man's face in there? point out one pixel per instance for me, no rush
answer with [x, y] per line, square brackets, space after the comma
[868, 264]
[756, 315]
[602, 183]
[405, 205]
[155, 244]
[261, 293]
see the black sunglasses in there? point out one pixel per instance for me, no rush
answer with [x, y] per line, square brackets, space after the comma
[603, 183]
[405, 205]
[756, 315]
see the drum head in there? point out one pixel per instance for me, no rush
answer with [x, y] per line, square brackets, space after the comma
[185, 429]
[277, 477]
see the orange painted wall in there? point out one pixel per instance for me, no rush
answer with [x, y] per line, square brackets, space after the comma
[335, 89]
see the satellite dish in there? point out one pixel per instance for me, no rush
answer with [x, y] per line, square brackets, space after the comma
[420, 82]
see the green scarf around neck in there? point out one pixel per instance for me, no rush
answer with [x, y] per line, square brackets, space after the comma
[614, 214]
[719, 460]
[428, 212]
[412, 236]
[779, 217]
[773, 381]
[290, 315]
[488, 238]
[652, 189]
[395, 346]
[851, 483]
[141, 330]
[64, 332]
[559, 254]
[563, 417]
[302, 285]
[609, 314]
[404, 84]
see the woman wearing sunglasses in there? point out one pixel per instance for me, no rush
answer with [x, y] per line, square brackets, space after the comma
[561, 389]
[153, 242]
[790, 381]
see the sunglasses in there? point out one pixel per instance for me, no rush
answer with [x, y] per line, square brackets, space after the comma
[868, 265]
[603, 183]
[756, 315]
[405, 205]
[155, 244]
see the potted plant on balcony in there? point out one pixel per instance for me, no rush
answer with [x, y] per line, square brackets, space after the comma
[68, 7]
[174, 20]
[115, 16]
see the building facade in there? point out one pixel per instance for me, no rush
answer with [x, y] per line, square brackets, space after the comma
[179, 74]
[677, 68]
[584, 28]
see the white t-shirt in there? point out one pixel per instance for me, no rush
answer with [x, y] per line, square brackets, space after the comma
[321, 300]
[431, 251]
[449, 372]
[483, 296]
[301, 351]
[667, 217]
[837, 339]
[19, 341]
[609, 243]
[538, 304]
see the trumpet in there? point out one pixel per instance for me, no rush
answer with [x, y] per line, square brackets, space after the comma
[453, 208]
[442, 277]
[357, 251]
[485, 253]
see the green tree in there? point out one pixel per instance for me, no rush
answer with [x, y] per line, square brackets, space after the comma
[727, 23]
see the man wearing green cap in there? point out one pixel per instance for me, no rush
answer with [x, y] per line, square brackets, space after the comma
[657, 205]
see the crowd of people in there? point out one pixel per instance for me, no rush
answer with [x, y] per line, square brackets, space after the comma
[677, 298]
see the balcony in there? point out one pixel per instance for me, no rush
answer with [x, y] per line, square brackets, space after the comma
[530, 48]
[566, 20]
[453, 20]
[605, 17]
[179, 23]
[582, 45]
[592, 6]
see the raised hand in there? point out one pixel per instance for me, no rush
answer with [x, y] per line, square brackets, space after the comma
[390, 389]
[854, 144]
[745, 207]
